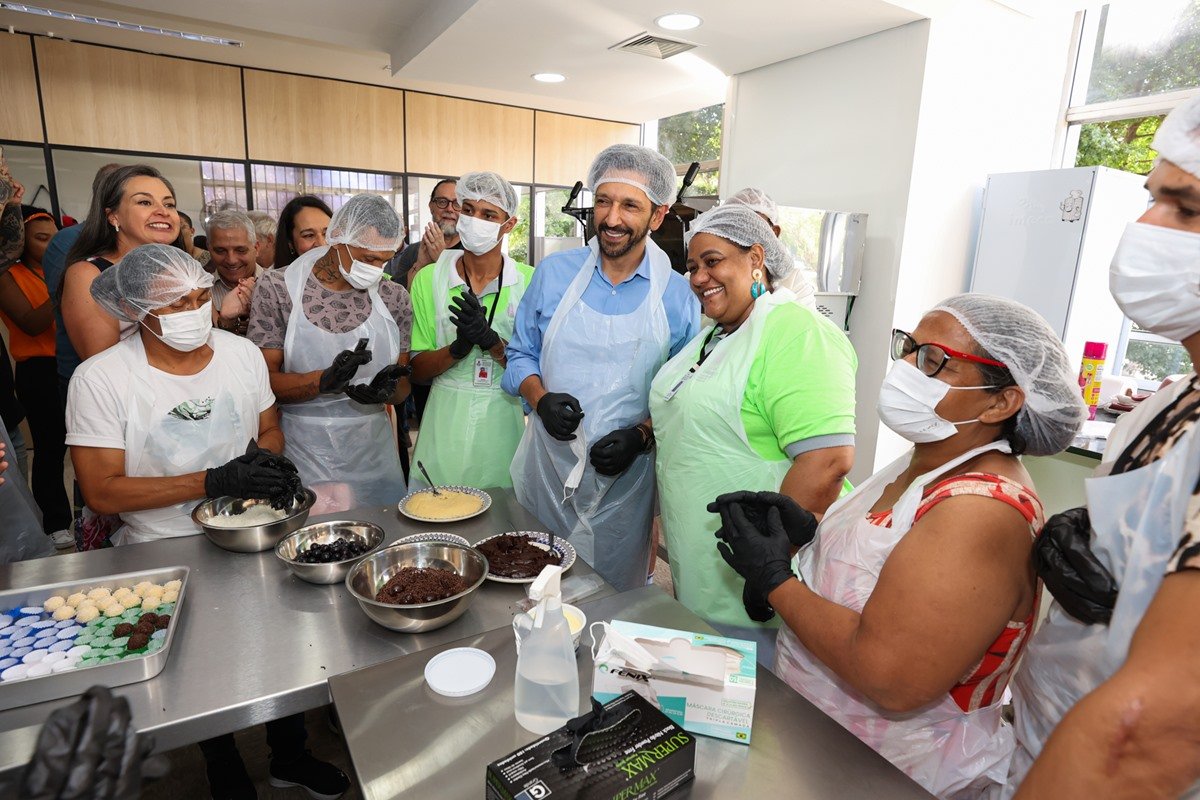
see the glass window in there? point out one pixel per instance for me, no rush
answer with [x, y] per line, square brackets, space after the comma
[553, 230]
[199, 185]
[692, 135]
[1142, 48]
[28, 166]
[275, 185]
[1150, 358]
[1121, 144]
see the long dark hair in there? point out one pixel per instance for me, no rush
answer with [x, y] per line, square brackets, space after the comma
[285, 251]
[96, 236]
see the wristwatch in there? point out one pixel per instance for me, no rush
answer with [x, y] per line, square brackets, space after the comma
[647, 436]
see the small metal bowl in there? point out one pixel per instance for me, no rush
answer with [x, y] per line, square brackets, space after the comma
[255, 538]
[326, 533]
[370, 574]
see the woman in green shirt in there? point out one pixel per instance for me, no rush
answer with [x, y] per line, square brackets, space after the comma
[762, 400]
[463, 310]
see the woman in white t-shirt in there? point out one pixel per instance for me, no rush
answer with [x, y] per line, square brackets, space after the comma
[162, 419]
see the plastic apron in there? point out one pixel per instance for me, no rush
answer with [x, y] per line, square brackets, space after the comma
[951, 752]
[159, 445]
[607, 363]
[344, 451]
[470, 429]
[1138, 518]
[703, 452]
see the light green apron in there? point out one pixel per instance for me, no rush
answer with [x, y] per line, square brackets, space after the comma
[703, 452]
[470, 431]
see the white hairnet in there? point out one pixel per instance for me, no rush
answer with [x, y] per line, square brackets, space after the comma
[148, 277]
[740, 225]
[756, 200]
[488, 187]
[639, 167]
[1018, 336]
[367, 221]
[1178, 138]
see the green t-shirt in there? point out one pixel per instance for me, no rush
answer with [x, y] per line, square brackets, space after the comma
[424, 329]
[800, 391]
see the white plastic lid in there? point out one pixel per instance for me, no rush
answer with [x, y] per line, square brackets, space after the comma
[460, 672]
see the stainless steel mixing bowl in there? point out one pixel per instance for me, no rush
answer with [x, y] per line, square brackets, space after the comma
[253, 538]
[326, 533]
[369, 575]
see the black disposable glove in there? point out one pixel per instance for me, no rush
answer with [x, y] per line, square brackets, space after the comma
[760, 555]
[798, 523]
[381, 388]
[1064, 560]
[613, 454]
[89, 750]
[470, 318]
[265, 458]
[461, 346]
[561, 414]
[338, 375]
[249, 480]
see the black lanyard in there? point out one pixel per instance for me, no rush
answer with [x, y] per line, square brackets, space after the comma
[704, 351]
[499, 288]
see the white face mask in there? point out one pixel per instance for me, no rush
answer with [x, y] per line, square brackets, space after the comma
[185, 330]
[361, 276]
[908, 402]
[1155, 279]
[478, 235]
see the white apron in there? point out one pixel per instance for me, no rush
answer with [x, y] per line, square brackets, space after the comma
[1138, 518]
[158, 445]
[606, 363]
[950, 752]
[343, 450]
[471, 426]
[703, 452]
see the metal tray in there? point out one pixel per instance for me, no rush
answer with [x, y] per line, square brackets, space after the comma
[77, 681]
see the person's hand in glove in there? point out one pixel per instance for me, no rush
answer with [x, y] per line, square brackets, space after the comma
[89, 750]
[470, 318]
[381, 388]
[561, 414]
[761, 555]
[337, 376]
[798, 523]
[613, 453]
[265, 458]
[246, 480]
[1063, 559]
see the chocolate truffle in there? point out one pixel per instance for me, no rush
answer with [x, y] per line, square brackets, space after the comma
[137, 641]
[163, 621]
[122, 629]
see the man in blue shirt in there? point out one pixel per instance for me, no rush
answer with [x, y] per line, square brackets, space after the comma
[593, 328]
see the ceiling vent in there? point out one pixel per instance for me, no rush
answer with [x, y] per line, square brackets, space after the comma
[647, 44]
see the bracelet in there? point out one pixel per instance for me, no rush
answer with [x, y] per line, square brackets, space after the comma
[647, 436]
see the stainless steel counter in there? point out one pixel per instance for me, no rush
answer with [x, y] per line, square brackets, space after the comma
[407, 741]
[256, 643]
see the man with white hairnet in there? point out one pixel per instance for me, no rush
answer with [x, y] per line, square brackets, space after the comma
[762, 401]
[592, 330]
[162, 419]
[464, 305]
[335, 336]
[1107, 703]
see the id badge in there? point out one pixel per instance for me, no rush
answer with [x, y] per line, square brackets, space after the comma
[483, 371]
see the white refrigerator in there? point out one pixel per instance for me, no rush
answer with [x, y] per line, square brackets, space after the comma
[1046, 238]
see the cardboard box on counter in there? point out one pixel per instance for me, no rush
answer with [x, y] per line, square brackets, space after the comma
[705, 684]
[654, 758]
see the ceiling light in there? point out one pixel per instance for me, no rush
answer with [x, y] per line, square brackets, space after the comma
[548, 77]
[118, 24]
[678, 22]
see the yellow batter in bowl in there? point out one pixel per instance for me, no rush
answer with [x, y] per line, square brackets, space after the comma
[449, 504]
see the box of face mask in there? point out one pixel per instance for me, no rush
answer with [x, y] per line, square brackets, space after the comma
[705, 684]
[645, 756]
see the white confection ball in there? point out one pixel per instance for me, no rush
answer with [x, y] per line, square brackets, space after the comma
[173, 586]
[65, 612]
[140, 589]
[131, 601]
[170, 596]
[114, 610]
[76, 599]
[124, 591]
[89, 613]
[150, 603]
[98, 592]
[53, 604]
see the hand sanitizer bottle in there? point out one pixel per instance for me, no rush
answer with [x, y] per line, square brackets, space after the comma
[547, 682]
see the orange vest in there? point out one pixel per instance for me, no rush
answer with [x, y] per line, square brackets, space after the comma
[33, 285]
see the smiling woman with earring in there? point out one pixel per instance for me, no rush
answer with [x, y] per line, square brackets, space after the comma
[762, 400]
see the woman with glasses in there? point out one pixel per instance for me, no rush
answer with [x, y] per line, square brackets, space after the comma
[906, 616]
[761, 400]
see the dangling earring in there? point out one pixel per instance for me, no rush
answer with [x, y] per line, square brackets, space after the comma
[117, 227]
[757, 289]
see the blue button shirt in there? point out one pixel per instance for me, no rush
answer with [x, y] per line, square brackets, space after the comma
[550, 281]
[54, 266]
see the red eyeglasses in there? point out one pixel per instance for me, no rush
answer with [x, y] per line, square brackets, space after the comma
[931, 356]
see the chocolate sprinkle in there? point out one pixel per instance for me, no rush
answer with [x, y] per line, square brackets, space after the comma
[516, 556]
[414, 585]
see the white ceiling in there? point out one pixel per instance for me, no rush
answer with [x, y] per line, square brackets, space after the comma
[487, 49]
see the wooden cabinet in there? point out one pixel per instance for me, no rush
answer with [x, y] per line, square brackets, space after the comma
[21, 116]
[448, 136]
[566, 145]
